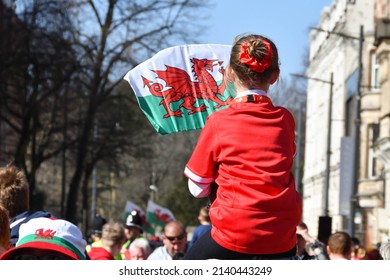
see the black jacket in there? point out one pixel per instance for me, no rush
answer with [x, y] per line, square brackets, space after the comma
[22, 218]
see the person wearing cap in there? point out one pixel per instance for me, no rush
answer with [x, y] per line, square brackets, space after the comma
[133, 230]
[48, 239]
[96, 232]
[113, 236]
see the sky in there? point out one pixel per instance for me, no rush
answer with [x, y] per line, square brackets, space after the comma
[286, 22]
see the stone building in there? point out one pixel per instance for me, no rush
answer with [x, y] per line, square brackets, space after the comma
[381, 143]
[343, 186]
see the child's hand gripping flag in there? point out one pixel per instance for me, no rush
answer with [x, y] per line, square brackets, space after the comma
[180, 86]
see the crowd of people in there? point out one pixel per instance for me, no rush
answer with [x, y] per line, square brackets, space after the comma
[49, 238]
[242, 162]
[39, 235]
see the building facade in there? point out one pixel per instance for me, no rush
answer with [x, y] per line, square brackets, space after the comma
[343, 186]
[381, 144]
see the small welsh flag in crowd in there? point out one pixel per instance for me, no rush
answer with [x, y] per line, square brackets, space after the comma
[180, 86]
[158, 215]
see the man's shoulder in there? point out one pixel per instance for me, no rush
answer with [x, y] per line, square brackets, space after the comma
[201, 229]
[99, 253]
[22, 218]
[27, 216]
[159, 250]
[160, 253]
[40, 214]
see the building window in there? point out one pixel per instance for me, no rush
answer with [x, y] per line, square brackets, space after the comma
[372, 166]
[374, 72]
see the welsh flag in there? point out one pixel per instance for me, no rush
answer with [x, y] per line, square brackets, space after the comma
[180, 86]
[158, 215]
[130, 206]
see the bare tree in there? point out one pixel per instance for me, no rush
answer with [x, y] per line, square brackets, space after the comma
[113, 36]
[37, 63]
[62, 92]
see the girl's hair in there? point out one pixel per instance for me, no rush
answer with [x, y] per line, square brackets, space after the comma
[4, 228]
[261, 50]
[14, 190]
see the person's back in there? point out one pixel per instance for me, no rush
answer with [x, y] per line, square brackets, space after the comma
[14, 195]
[248, 149]
[339, 246]
[113, 236]
[205, 225]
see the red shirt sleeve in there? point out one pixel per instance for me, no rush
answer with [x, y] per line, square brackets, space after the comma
[202, 166]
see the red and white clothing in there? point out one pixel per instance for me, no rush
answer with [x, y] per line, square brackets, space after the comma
[248, 150]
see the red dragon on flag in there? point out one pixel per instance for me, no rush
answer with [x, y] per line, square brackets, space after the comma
[180, 86]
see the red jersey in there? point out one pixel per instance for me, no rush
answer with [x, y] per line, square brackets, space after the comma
[99, 253]
[248, 150]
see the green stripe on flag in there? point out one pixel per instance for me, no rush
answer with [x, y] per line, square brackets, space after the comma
[155, 112]
[152, 219]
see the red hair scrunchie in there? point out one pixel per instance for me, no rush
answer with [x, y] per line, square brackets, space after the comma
[252, 62]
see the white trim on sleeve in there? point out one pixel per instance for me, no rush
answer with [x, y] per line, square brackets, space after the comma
[199, 190]
[190, 175]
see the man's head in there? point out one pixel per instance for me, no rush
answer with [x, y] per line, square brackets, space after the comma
[175, 238]
[203, 216]
[14, 190]
[113, 236]
[133, 226]
[339, 245]
[97, 226]
[139, 249]
[47, 239]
